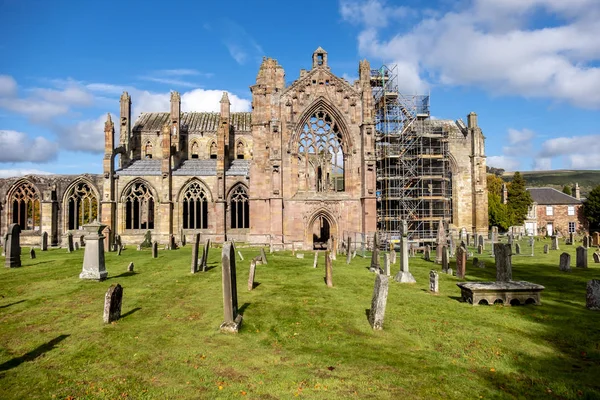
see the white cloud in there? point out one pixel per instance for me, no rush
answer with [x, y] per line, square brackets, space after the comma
[371, 13]
[86, 135]
[8, 86]
[10, 173]
[209, 100]
[578, 152]
[504, 162]
[542, 164]
[516, 136]
[19, 147]
[490, 44]
[242, 47]
[519, 142]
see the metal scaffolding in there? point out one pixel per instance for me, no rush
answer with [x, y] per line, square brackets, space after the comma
[413, 174]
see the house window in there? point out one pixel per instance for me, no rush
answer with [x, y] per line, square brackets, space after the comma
[571, 210]
[571, 227]
[549, 210]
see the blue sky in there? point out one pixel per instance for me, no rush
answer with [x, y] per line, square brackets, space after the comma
[529, 68]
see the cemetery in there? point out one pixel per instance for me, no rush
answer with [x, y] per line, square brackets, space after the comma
[81, 322]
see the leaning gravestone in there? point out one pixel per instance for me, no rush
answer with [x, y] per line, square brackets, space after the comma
[195, 247]
[251, 275]
[112, 303]
[581, 261]
[375, 267]
[44, 241]
[232, 320]
[545, 249]
[316, 261]
[328, 270]
[147, 243]
[32, 253]
[386, 264]
[565, 262]
[119, 249]
[12, 246]
[70, 247]
[378, 302]
[93, 257]
[554, 243]
[204, 260]
[263, 256]
[461, 262]
[517, 248]
[503, 254]
[596, 257]
[155, 249]
[130, 267]
[592, 298]
[434, 284]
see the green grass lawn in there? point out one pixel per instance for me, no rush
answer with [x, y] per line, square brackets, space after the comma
[298, 337]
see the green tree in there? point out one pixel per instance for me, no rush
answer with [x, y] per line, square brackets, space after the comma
[519, 200]
[567, 190]
[591, 208]
[497, 211]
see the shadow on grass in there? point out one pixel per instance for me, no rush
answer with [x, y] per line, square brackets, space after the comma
[12, 304]
[130, 312]
[33, 354]
[255, 285]
[209, 268]
[122, 275]
[243, 308]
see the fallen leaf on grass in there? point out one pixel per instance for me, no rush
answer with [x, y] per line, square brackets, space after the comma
[492, 369]
[330, 368]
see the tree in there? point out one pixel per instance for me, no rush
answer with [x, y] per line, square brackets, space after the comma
[497, 211]
[591, 208]
[567, 190]
[519, 200]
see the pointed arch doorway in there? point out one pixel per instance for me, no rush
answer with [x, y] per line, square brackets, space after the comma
[321, 228]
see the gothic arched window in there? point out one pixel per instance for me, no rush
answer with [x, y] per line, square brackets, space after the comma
[240, 208]
[82, 205]
[194, 150]
[26, 207]
[321, 153]
[148, 150]
[195, 207]
[240, 150]
[139, 207]
[213, 150]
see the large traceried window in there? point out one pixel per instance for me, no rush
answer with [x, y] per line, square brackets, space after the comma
[321, 155]
[139, 207]
[195, 207]
[26, 207]
[82, 205]
[240, 208]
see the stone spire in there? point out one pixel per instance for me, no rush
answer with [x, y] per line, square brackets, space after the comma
[225, 106]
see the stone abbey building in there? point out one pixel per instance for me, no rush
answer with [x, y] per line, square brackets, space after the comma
[299, 168]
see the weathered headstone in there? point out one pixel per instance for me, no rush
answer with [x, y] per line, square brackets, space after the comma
[232, 320]
[393, 257]
[510, 238]
[147, 243]
[76, 246]
[182, 238]
[596, 239]
[503, 254]
[596, 257]
[70, 247]
[375, 266]
[565, 262]
[348, 251]
[404, 275]
[204, 260]
[195, 247]
[481, 242]
[440, 242]
[546, 249]
[328, 270]
[44, 241]
[571, 239]
[293, 249]
[434, 285]
[554, 243]
[586, 241]
[445, 258]
[461, 262]
[139, 247]
[172, 243]
[475, 261]
[300, 255]
[119, 249]
[106, 234]
[32, 253]
[517, 248]
[581, 261]
[316, 261]
[155, 249]
[130, 267]
[427, 253]
[378, 302]
[468, 239]
[112, 303]
[592, 298]
[480, 249]
[263, 256]
[386, 264]
[251, 275]
[93, 257]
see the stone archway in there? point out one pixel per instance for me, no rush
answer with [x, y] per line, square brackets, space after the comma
[320, 229]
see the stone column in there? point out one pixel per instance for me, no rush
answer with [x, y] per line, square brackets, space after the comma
[93, 257]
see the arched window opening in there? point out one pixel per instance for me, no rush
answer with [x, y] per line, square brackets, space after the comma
[213, 150]
[195, 207]
[139, 207]
[26, 207]
[321, 154]
[240, 208]
[82, 206]
[194, 150]
[240, 151]
[148, 151]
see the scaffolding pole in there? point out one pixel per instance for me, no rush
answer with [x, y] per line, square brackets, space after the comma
[413, 174]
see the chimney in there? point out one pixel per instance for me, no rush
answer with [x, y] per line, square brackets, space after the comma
[576, 192]
[472, 120]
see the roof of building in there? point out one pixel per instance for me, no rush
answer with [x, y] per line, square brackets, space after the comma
[195, 121]
[550, 196]
[193, 167]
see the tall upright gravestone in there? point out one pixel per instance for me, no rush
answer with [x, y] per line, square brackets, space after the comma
[348, 251]
[195, 247]
[581, 260]
[12, 246]
[375, 267]
[554, 243]
[441, 242]
[379, 301]
[503, 254]
[112, 303]
[461, 262]
[404, 275]
[204, 259]
[232, 320]
[70, 246]
[93, 257]
[565, 262]
[328, 270]
[44, 241]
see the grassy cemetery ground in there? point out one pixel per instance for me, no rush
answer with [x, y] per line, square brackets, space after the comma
[298, 338]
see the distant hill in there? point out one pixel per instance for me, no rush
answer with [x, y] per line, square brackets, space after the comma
[558, 178]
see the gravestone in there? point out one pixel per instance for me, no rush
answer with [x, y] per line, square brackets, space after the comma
[251, 275]
[554, 243]
[510, 238]
[393, 257]
[596, 239]
[82, 241]
[44, 241]
[475, 261]
[232, 320]
[503, 262]
[316, 261]
[293, 249]
[571, 239]
[328, 270]
[468, 239]
[451, 246]
[155, 249]
[445, 258]
[461, 262]
[404, 275]
[32, 254]
[173, 243]
[427, 253]
[333, 252]
[300, 255]
[517, 248]
[581, 260]
[386, 263]
[147, 243]
[546, 249]
[375, 266]
[348, 251]
[531, 244]
[130, 267]
[70, 247]
[481, 242]
[592, 298]
[586, 241]
[76, 245]
[112, 303]
[440, 242]
[182, 238]
[480, 249]
[139, 247]
[106, 234]
[240, 255]
[263, 256]
[596, 257]
[195, 247]
[565, 262]
[119, 249]
[93, 256]
[378, 302]
[204, 260]
[434, 284]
